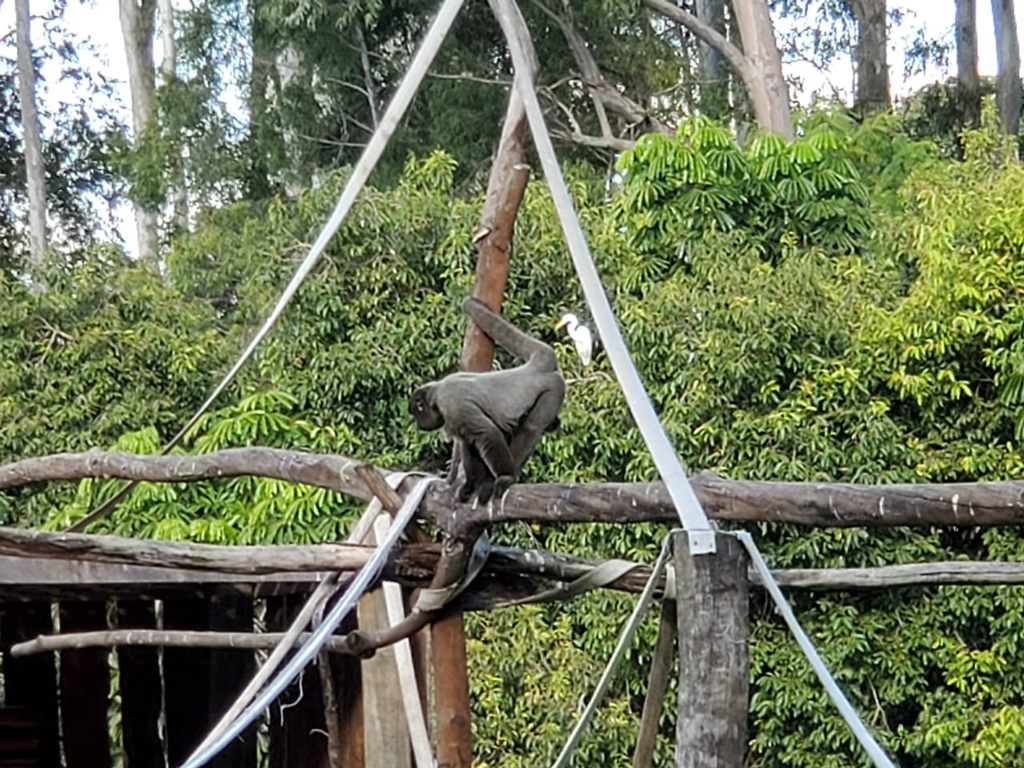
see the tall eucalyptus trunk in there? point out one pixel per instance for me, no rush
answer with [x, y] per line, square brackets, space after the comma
[34, 171]
[871, 68]
[714, 82]
[770, 96]
[967, 60]
[137, 22]
[1008, 85]
[168, 75]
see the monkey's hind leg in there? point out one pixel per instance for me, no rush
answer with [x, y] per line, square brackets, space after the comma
[498, 458]
[475, 471]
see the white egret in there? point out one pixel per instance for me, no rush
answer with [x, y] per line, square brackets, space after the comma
[580, 336]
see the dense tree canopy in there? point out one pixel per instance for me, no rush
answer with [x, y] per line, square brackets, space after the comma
[843, 306]
[779, 339]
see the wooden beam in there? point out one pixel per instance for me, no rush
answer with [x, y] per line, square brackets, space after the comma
[107, 568]
[820, 504]
[84, 685]
[142, 690]
[178, 554]
[712, 607]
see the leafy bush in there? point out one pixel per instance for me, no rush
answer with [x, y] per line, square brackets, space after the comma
[790, 343]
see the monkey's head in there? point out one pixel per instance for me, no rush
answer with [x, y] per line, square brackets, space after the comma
[423, 407]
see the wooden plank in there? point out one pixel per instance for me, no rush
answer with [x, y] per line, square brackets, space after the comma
[386, 731]
[657, 685]
[348, 688]
[186, 681]
[296, 718]
[230, 670]
[84, 685]
[141, 690]
[712, 608]
[31, 683]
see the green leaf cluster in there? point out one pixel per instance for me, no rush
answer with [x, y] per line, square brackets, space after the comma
[679, 190]
[783, 346]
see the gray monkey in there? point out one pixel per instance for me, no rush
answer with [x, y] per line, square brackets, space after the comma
[495, 418]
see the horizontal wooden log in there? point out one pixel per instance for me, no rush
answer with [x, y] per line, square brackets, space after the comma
[819, 504]
[278, 558]
[816, 504]
[26, 557]
[336, 473]
[905, 575]
[158, 637]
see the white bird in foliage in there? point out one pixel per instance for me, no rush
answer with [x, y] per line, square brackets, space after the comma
[580, 336]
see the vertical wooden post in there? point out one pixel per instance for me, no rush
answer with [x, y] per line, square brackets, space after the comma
[493, 238]
[385, 728]
[84, 685]
[230, 670]
[141, 690]
[30, 682]
[186, 680]
[348, 687]
[657, 685]
[296, 731]
[712, 607]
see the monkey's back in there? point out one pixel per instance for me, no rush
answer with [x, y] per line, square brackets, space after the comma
[503, 397]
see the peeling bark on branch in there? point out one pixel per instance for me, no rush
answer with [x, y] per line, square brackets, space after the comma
[823, 504]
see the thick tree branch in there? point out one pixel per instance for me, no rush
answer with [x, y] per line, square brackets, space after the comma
[709, 35]
[160, 637]
[597, 142]
[604, 94]
[824, 504]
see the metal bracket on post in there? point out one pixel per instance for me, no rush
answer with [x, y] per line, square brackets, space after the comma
[702, 542]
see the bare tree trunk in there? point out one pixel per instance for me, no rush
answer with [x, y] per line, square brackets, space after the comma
[288, 66]
[168, 73]
[760, 67]
[967, 60]
[258, 181]
[371, 84]
[137, 20]
[1008, 85]
[35, 177]
[871, 68]
[714, 85]
[771, 98]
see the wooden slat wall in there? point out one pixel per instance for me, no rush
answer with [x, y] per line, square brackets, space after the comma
[84, 685]
[186, 680]
[188, 695]
[298, 712]
[141, 690]
[19, 739]
[230, 670]
[31, 682]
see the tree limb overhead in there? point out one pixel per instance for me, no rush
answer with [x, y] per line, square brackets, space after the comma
[831, 504]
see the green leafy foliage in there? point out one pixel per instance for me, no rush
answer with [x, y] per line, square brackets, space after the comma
[679, 190]
[785, 345]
